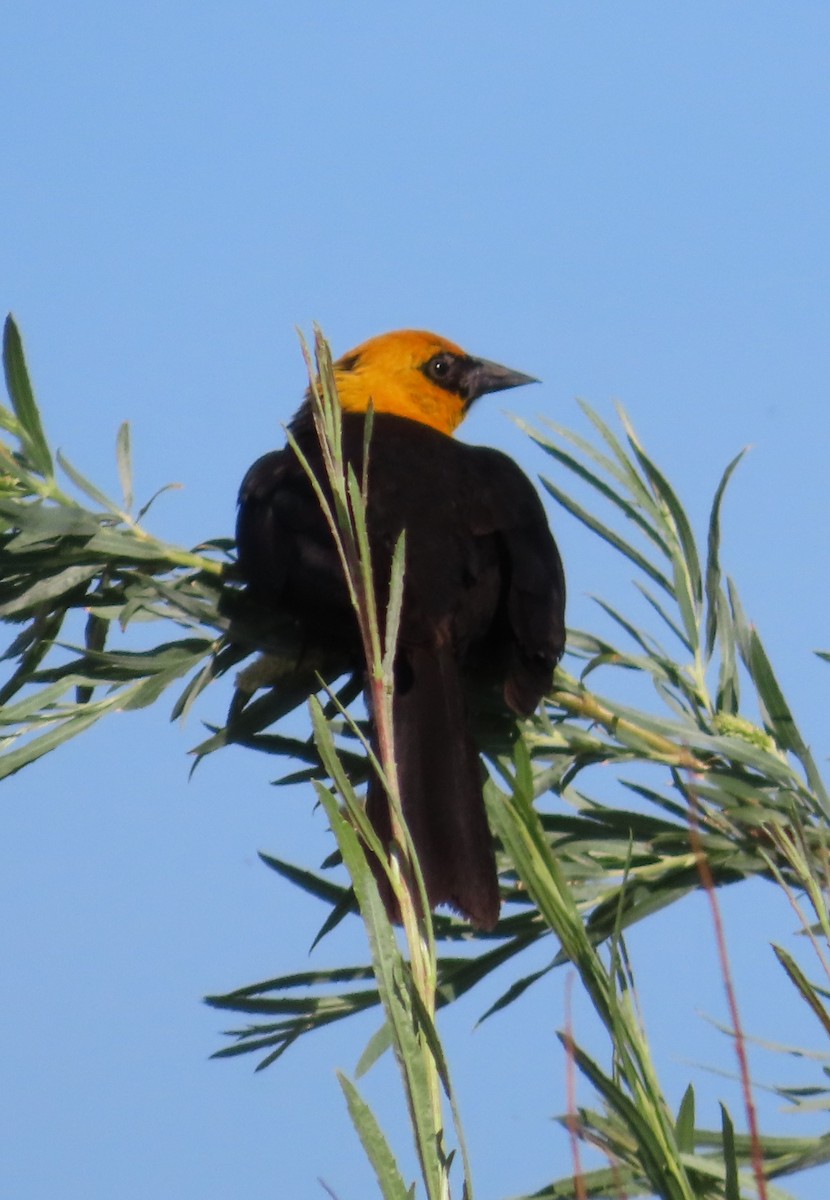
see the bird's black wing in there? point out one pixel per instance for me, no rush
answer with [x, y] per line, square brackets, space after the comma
[285, 550]
[507, 507]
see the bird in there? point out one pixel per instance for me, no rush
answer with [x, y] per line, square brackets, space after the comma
[483, 594]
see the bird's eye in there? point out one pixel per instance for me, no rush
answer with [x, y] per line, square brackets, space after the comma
[439, 366]
[443, 369]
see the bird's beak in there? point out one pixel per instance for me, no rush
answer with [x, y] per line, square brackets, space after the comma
[485, 376]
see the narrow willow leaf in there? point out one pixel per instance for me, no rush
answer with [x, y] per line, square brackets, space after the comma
[677, 692]
[325, 977]
[145, 508]
[776, 1149]
[643, 640]
[635, 483]
[331, 760]
[664, 616]
[281, 1040]
[356, 520]
[754, 793]
[42, 522]
[779, 715]
[328, 385]
[395, 605]
[682, 526]
[32, 646]
[23, 400]
[89, 489]
[374, 1143]
[147, 691]
[661, 1162]
[195, 596]
[807, 990]
[49, 589]
[516, 989]
[732, 1189]
[685, 1124]
[123, 545]
[608, 535]
[713, 575]
[315, 1011]
[385, 953]
[37, 704]
[618, 1181]
[740, 624]
[729, 685]
[518, 826]
[368, 426]
[588, 448]
[95, 640]
[340, 909]
[163, 657]
[123, 456]
[194, 689]
[12, 760]
[394, 984]
[429, 1032]
[638, 899]
[307, 881]
[629, 510]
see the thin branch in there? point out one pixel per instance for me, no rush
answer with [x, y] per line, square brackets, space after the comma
[731, 997]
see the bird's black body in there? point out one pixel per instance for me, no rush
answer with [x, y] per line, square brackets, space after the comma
[483, 592]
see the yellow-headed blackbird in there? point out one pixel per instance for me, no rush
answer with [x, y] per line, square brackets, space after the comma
[484, 592]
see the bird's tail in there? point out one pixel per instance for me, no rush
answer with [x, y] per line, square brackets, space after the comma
[440, 779]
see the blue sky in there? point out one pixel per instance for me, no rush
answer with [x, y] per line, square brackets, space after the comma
[629, 201]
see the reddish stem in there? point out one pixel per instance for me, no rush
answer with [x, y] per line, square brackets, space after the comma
[570, 1092]
[705, 872]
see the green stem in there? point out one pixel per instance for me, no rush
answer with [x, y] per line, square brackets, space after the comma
[584, 704]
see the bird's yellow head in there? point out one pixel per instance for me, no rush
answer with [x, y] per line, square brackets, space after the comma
[418, 375]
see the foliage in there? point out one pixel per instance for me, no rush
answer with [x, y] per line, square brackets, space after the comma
[737, 793]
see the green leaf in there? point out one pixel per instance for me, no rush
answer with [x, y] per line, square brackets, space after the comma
[595, 525]
[664, 1170]
[95, 640]
[779, 716]
[635, 483]
[125, 466]
[681, 525]
[332, 762]
[13, 760]
[145, 508]
[42, 522]
[516, 989]
[23, 401]
[729, 686]
[307, 881]
[664, 616]
[89, 489]
[685, 1124]
[32, 646]
[374, 1143]
[714, 606]
[394, 606]
[628, 510]
[395, 986]
[732, 1189]
[809, 993]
